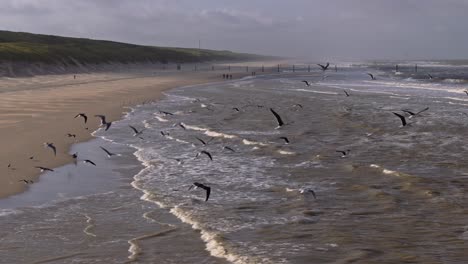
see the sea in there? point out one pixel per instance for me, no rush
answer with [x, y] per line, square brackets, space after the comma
[341, 180]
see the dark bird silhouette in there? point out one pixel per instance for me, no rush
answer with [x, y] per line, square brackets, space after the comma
[308, 191]
[324, 68]
[466, 92]
[43, 168]
[75, 155]
[136, 132]
[371, 75]
[414, 114]
[402, 118]
[31, 158]
[430, 76]
[26, 181]
[206, 153]
[286, 140]
[109, 154]
[51, 146]
[344, 152]
[83, 116]
[104, 123]
[164, 133]
[202, 186]
[298, 105]
[165, 113]
[347, 94]
[306, 82]
[229, 148]
[278, 118]
[182, 126]
[71, 135]
[236, 109]
[89, 161]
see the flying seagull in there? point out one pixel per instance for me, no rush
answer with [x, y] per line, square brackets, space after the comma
[181, 125]
[164, 133]
[71, 135]
[306, 82]
[430, 76]
[466, 92]
[90, 162]
[347, 94]
[201, 140]
[415, 114]
[44, 168]
[298, 105]
[109, 154]
[286, 140]
[26, 181]
[324, 68]
[204, 187]
[403, 119]
[308, 191]
[229, 148]
[344, 152]
[83, 116]
[136, 132]
[236, 109]
[371, 75]
[103, 122]
[206, 153]
[51, 146]
[278, 118]
[75, 155]
[165, 113]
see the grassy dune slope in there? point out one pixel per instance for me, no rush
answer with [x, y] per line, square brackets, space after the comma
[27, 47]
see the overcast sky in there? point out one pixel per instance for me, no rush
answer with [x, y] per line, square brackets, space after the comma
[316, 29]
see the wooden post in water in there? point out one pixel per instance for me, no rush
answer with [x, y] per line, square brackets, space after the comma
[416, 68]
[263, 68]
[278, 68]
[396, 68]
[294, 68]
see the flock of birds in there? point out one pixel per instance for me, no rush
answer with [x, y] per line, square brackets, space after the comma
[104, 124]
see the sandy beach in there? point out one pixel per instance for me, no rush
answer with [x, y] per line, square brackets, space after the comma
[41, 109]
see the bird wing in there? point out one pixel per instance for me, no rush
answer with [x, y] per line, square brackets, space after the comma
[105, 150]
[371, 75]
[134, 129]
[409, 112]
[108, 126]
[103, 118]
[208, 191]
[88, 161]
[201, 140]
[54, 149]
[208, 154]
[85, 118]
[278, 117]
[425, 109]
[403, 119]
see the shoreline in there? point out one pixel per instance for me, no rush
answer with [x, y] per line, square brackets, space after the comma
[29, 132]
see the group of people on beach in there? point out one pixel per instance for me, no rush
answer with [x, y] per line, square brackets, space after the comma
[227, 76]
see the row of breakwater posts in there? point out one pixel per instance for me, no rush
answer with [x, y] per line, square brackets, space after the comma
[249, 68]
[284, 68]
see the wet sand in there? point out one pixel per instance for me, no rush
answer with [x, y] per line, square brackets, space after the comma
[41, 109]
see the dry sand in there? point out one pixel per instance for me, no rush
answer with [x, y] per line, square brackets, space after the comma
[41, 109]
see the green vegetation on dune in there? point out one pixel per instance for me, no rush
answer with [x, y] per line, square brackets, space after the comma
[28, 47]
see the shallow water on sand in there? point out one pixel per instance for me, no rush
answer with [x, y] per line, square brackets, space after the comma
[397, 196]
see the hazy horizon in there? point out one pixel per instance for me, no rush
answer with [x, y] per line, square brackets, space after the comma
[332, 30]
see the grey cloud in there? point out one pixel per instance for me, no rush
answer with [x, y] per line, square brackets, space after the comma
[335, 29]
